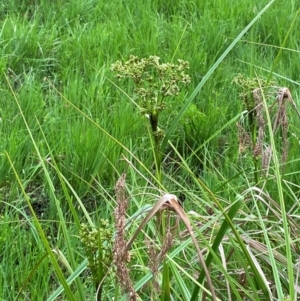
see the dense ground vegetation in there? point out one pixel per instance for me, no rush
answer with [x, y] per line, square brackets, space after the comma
[69, 128]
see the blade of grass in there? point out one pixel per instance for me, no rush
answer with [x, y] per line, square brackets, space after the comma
[221, 233]
[206, 192]
[149, 173]
[224, 263]
[207, 76]
[79, 270]
[282, 46]
[30, 275]
[282, 205]
[61, 217]
[270, 251]
[38, 225]
[184, 291]
[63, 184]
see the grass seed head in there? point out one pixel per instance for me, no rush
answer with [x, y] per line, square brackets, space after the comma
[121, 255]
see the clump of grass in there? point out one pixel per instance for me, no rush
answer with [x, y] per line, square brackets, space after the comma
[252, 135]
[167, 202]
[92, 34]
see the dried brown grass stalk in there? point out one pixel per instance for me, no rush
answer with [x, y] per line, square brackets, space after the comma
[260, 147]
[156, 257]
[281, 119]
[262, 251]
[153, 262]
[266, 157]
[121, 254]
[243, 137]
[170, 202]
[259, 108]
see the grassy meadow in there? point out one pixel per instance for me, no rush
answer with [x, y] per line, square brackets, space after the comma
[226, 145]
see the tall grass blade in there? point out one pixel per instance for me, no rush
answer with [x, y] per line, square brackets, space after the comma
[282, 47]
[38, 225]
[208, 74]
[227, 222]
[285, 222]
[30, 275]
[221, 233]
[61, 216]
[79, 270]
[184, 291]
[45, 242]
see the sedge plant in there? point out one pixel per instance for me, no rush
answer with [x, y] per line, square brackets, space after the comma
[97, 244]
[154, 84]
[253, 135]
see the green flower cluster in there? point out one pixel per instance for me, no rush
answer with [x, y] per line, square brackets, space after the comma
[97, 244]
[248, 85]
[154, 82]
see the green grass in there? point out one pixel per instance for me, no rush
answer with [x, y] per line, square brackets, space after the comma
[68, 129]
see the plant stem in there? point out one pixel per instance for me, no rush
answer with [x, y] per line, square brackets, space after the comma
[156, 144]
[253, 129]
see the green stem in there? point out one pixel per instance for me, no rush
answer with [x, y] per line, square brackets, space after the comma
[154, 120]
[253, 130]
[157, 158]
[166, 294]
[156, 144]
[221, 233]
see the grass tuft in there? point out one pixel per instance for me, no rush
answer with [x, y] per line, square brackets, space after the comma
[210, 205]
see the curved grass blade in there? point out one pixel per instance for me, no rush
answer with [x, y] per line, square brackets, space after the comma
[30, 275]
[285, 222]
